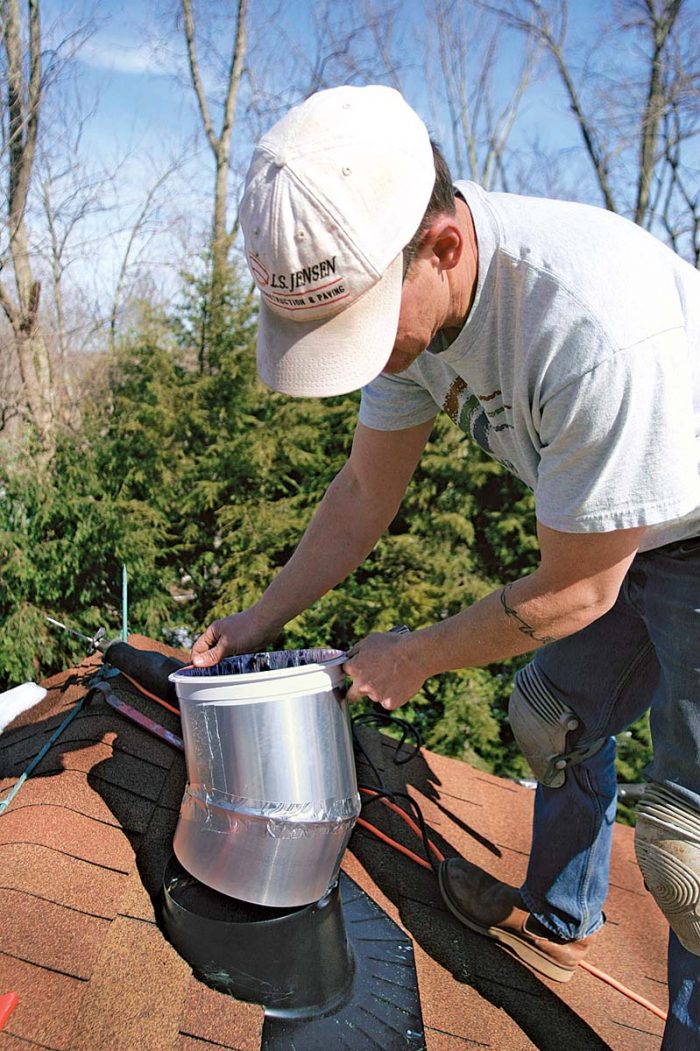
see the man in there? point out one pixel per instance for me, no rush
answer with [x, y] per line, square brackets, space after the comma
[567, 341]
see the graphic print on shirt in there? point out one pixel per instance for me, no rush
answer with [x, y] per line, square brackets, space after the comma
[467, 411]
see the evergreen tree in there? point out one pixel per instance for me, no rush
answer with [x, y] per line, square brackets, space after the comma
[64, 534]
[202, 481]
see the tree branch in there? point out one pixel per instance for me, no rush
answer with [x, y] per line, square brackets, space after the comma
[23, 117]
[538, 25]
[8, 306]
[194, 73]
[235, 72]
[136, 228]
[661, 27]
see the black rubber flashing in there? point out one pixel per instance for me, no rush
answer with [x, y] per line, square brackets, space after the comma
[335, 974]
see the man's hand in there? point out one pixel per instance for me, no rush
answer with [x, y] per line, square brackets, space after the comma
[239, 633]
[383, 667]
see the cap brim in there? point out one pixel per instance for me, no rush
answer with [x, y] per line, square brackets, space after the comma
[336, 355]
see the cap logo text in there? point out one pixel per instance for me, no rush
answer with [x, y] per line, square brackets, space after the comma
[296, 279]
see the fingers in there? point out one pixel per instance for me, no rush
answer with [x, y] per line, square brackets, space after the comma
[208, 658]
[359, 687]
[209, 648]
[381, 671]
[356, 692]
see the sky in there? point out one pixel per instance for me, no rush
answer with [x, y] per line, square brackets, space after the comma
[134, 62]
[131, 77]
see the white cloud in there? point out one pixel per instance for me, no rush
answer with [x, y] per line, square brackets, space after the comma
[138, 60]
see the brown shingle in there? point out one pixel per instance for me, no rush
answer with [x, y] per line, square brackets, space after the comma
[60, 878]
[64, 830]
[12, 1043]
[68, 790]
[465, 1016]
[135, 900]
[49, 935]
[209, 1015]
[48, 1002]
[136, 992]
[82, 851]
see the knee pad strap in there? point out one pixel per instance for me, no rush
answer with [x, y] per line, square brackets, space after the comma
[541, 723]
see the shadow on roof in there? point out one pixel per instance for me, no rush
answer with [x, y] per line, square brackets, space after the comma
[470, 958]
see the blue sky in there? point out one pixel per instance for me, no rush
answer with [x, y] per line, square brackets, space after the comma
[124, 69]
[131, 73]
[134, 56]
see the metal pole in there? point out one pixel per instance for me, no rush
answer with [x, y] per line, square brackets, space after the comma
[125, 604]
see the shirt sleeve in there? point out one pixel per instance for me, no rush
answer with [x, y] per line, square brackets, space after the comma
[391, 403]
[618, 444]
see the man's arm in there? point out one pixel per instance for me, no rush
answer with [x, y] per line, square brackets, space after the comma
[577, 581]
[356, 509]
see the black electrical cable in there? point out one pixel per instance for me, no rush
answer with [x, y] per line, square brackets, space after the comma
[408, 730]
[380, 792]
[365, 756]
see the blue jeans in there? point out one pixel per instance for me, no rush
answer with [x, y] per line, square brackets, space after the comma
[644, 653]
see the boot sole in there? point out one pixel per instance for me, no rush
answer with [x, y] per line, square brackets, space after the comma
[526, 952]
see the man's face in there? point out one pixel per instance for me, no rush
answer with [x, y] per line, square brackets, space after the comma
[421, 316]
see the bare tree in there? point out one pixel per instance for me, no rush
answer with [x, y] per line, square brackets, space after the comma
[69, 196]
[20, 115]
[669, 187]
[480, 96]
[49, 194]
[382, 20]
[547, 21]
[347, 44]
[359, 43]
[220, 143]
[141, 230]
[636, 112]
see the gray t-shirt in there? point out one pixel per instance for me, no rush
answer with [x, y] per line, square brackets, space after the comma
[578, 367]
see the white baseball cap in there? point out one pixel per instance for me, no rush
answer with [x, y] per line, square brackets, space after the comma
[335, 191]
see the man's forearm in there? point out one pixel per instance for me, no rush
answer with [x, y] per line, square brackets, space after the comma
[578, 580]
[508, 622]
[512, 620]
[342, 532]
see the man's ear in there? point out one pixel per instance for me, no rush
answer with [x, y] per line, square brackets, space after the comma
[445, 241]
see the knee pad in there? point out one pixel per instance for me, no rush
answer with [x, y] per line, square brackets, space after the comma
[541, 724]
[667, 843]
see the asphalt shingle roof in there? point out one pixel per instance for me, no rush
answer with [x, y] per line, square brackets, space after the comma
[82, 852]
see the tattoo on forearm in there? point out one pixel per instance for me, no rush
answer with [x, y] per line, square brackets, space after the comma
[523, 626]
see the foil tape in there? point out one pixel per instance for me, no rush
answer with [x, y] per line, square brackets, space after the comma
[224, 814]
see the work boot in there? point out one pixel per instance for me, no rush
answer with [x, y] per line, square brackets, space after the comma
[496, 909]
